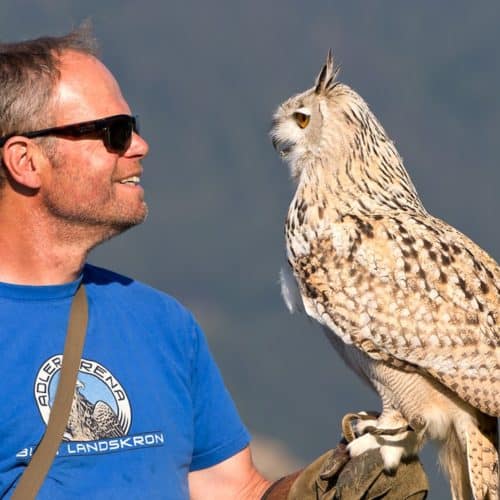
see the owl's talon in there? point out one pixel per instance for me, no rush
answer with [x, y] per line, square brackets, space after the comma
[374, 431]
[348, 425]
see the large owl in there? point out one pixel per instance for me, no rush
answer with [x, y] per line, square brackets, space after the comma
[410, 303]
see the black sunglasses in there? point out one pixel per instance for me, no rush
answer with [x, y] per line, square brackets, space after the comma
[115, 131]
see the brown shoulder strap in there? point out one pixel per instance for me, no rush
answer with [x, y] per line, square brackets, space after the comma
[40, 462]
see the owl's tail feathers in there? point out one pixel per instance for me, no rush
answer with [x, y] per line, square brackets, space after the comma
[470, 457]
[482, 458]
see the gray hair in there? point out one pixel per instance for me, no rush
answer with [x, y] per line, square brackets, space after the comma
[29, 72]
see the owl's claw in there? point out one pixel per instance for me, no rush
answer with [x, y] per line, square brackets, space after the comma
[375, 431]
[349, 430]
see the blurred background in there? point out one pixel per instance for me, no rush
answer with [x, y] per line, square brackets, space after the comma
[205, 78]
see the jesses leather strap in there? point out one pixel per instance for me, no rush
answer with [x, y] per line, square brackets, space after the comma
[34, 474]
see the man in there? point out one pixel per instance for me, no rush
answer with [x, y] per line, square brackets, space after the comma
[151, 417]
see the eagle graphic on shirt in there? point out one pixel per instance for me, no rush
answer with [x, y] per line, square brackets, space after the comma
[91, 421]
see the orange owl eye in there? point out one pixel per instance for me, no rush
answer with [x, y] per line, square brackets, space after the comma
[302, 119]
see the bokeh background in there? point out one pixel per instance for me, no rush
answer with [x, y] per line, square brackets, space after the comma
[205, 77]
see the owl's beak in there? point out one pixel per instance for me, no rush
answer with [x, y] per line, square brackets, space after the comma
[282, 147]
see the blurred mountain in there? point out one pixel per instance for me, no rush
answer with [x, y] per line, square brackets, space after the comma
[205, 78]
[273, 458]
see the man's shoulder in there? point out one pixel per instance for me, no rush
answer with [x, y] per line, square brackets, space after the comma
[117, 287]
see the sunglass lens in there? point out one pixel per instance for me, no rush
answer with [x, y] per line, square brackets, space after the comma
[119, 135]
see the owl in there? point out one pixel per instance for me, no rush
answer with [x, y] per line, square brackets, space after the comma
[409, 302]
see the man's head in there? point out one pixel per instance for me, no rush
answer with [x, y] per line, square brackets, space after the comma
[78, 180]
[29, 73]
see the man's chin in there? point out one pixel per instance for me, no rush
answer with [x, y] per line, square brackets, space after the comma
[129, 222]
[118, 225]
[115, 229]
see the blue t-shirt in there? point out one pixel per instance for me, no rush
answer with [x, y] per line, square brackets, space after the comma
[149, 405]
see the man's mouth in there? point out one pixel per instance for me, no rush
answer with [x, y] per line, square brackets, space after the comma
[132, 181]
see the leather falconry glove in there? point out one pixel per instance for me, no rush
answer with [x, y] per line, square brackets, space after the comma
[337, 476]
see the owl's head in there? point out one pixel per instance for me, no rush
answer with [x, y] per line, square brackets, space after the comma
[316, 125]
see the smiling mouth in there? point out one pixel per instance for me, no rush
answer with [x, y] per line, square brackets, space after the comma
[131, 181]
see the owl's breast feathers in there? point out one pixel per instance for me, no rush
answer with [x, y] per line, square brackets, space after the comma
[407, 289]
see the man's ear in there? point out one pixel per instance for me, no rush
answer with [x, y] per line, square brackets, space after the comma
[24, 159]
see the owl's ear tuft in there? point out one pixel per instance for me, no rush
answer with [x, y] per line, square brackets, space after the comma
[326, 80]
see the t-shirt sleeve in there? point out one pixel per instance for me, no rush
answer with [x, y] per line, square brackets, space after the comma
[218, 430]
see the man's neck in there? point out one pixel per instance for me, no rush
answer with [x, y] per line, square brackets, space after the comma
[26, 264]
[36, 250]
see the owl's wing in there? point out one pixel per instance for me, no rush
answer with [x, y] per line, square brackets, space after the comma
[410, 290]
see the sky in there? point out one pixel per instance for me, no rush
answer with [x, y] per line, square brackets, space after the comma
[205, 78]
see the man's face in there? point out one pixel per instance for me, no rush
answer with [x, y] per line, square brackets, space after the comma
[85, 185]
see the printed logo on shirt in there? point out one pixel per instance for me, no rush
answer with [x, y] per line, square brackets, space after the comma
[100, 409]
[100, 415]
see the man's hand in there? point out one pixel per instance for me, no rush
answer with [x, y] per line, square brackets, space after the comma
[335, 475]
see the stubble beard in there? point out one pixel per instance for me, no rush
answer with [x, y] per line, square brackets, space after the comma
[97, 220]
[92, 223]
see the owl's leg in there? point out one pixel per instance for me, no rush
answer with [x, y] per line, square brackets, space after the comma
[390, 433]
